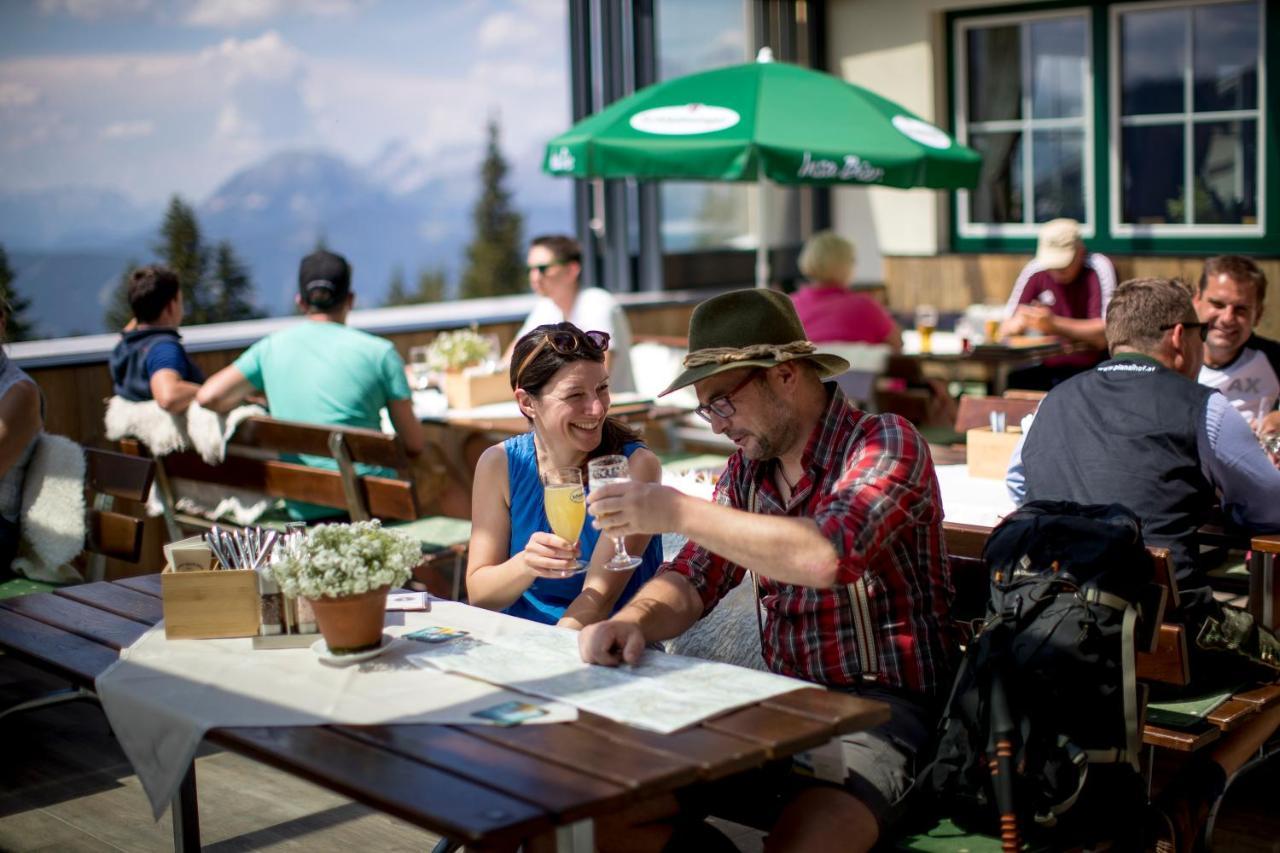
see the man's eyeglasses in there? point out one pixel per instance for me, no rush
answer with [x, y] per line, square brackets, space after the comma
[1202, 327]
[565, 343]
[541, 269]
[722, 406]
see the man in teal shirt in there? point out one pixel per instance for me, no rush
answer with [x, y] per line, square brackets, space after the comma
[321, 370]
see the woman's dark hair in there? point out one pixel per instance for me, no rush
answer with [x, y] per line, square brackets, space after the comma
[151, 289]
[546, 363]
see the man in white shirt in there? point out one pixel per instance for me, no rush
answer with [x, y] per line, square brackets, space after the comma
[1237, 362]
[555, 267]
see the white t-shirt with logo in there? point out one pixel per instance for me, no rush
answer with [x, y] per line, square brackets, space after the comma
[595, 310]
[1251, 382]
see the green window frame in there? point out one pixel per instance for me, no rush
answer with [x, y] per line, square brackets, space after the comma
[1258, 234]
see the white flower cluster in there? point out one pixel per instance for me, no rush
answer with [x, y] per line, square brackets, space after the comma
[456, 350]
[334, 560]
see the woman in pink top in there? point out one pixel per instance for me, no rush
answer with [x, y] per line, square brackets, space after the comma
[827, 308]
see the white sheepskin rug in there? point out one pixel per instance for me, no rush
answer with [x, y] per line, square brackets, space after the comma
[728, 634]
[53, 512]
[199, 429]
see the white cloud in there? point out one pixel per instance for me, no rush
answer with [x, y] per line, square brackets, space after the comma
[238, 13]
[93, 9]
[506, 29]
[17, 94]
[136, 129]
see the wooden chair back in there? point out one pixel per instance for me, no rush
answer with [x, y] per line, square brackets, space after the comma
[109, 476]
[253, 462]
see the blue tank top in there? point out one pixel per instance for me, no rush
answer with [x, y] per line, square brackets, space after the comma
[546, 598]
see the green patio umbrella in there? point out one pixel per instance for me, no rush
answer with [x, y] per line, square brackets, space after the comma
[762, 120]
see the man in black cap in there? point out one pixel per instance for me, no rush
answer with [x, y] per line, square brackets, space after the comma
[322, 371]
[837, 515]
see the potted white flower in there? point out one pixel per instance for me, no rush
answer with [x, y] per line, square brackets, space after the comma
[345, 571]
[467, 359]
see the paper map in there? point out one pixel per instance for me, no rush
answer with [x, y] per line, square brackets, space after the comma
[663, 693]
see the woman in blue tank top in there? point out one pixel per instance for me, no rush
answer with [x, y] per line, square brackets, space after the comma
[516, 564]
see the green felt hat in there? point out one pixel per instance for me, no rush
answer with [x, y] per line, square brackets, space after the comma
[748, 328]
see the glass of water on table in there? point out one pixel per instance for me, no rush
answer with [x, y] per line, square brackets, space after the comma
[600, 473]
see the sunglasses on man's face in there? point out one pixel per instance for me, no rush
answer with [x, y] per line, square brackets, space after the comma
[1203, 328]
[541, 269]
[566, 343]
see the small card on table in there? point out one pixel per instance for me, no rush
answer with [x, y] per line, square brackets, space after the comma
[409, 601]
[511, 713]
[435, 634]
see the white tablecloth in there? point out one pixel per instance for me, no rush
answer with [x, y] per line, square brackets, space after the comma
[162, 696]
[972, 500]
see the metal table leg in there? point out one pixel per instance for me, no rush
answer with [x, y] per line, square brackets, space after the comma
[186, 814]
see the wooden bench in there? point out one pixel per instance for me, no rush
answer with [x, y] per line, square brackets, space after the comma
[257, 461]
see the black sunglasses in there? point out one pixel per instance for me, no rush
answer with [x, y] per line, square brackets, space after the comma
[566, 342]
[1202, 327]
[541, 269]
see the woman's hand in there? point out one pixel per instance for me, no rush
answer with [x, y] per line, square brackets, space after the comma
[549, 556]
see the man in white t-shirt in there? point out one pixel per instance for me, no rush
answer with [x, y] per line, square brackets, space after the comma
[1237, 362]
[555, 266]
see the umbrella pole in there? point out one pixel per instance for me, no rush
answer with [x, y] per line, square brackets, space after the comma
[762, 240]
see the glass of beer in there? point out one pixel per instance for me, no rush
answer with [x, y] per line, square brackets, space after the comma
[926, 322]
[601, 472]
[566, 506]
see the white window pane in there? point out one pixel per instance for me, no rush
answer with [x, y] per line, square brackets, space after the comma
[1058, 68]
[1226, 72]
[1226, 172]
[998, 196]
[1057, 158]
[1152, 166]
[1153, 61]
[994, 73]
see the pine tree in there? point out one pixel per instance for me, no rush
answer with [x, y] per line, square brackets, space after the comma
[19, 327]
[494, 265]
[119, 312]
[431, 285]
[182, 251]
[396, 293]
[235, 290]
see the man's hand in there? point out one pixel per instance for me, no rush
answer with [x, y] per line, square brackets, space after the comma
[549, 556]
[611, 643]
[626, 509]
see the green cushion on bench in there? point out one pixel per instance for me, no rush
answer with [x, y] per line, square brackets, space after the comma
[1187, 711]
[946, 837]
[435, 532]
[21, 586]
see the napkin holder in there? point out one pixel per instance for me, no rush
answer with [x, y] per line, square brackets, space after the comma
[988, 453]
[466, 390]
[210, 605]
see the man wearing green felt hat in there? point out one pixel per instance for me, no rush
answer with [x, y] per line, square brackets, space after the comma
[837, 515]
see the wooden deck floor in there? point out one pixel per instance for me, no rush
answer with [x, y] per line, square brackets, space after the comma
[66, 786]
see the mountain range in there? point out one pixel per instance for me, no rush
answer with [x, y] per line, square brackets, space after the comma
[69, 246]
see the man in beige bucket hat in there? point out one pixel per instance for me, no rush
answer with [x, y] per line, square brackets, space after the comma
[836, 513]
[1064, 292]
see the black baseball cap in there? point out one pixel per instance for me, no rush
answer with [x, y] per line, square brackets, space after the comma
[324, 279]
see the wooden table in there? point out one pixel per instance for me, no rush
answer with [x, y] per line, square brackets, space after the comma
[485, 786]
[990, 363]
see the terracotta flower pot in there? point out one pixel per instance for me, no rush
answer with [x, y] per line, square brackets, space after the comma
[351, 623]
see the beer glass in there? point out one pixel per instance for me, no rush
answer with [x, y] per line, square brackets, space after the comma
[566, 506]
[926, 322]
[601, 472]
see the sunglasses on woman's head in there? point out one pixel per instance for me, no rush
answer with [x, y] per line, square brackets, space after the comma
[565, 342]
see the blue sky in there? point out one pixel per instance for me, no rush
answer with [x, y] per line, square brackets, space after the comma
[152, 97]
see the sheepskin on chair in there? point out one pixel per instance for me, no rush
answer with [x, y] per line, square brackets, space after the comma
[52, 526]
[728, 634]
[198, 428]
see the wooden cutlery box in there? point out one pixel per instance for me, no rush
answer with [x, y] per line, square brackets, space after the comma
[210, 605]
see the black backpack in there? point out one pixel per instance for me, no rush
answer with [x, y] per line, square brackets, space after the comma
[1046, 689]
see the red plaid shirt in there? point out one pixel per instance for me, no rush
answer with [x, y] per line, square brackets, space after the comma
[869, 484]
